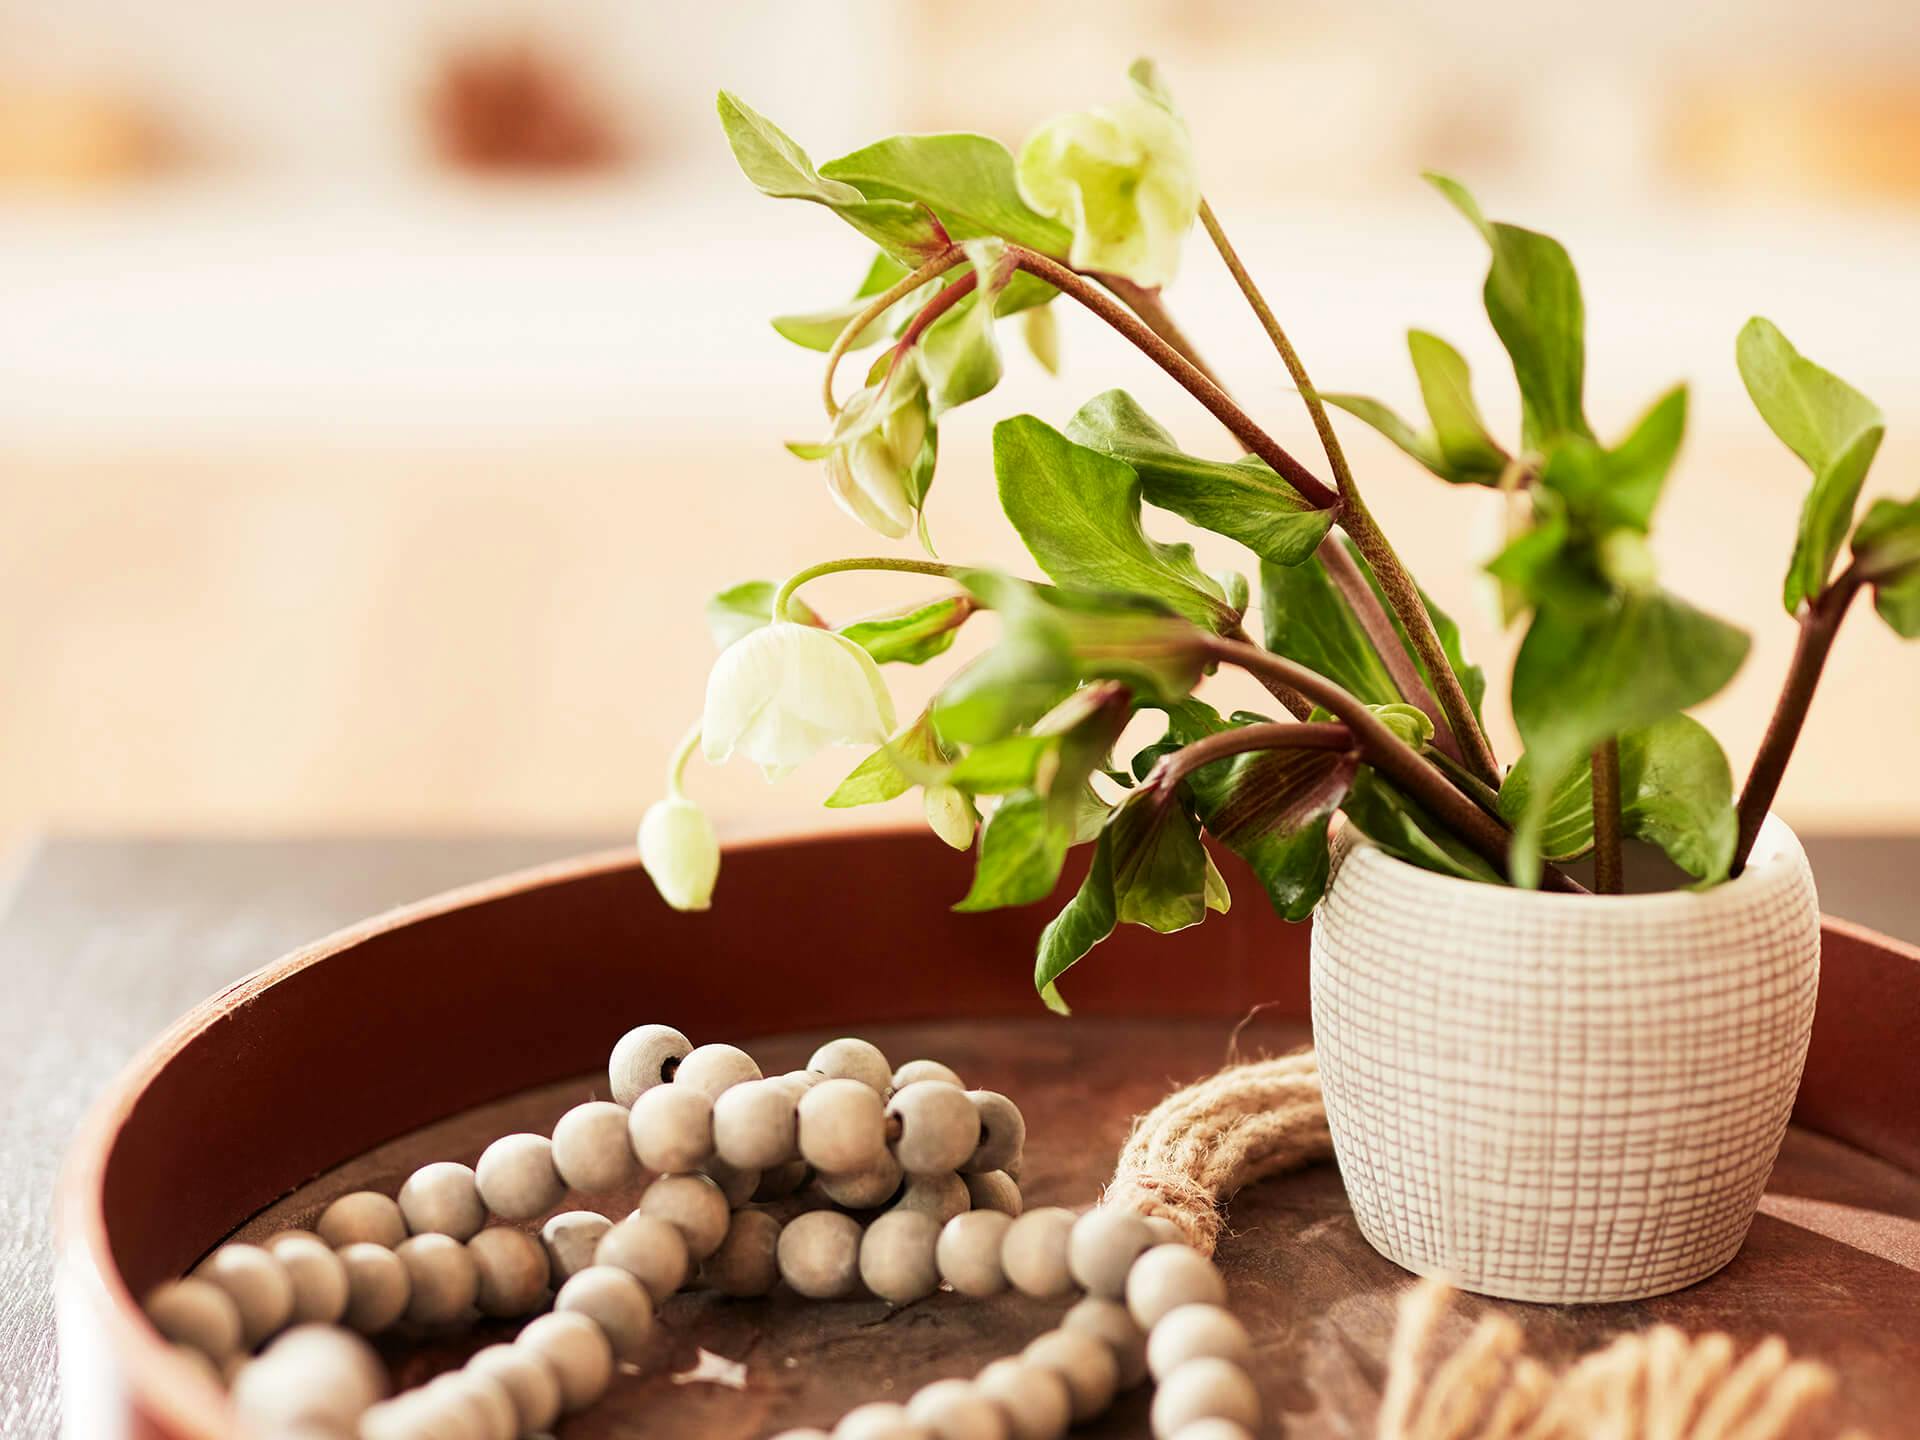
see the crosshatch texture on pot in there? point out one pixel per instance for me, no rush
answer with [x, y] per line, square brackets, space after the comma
[1561, 1098]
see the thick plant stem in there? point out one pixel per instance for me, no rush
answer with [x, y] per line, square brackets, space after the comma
[1392, 757]
[1609, 877]
[1296, 704]
[1243, 739]
[857, 562]
[881, 303]
[1190, 376]
[1372, 615]
[1402, 594]
[1819, 623]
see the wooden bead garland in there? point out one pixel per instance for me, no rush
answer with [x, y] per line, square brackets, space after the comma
[939, 1161]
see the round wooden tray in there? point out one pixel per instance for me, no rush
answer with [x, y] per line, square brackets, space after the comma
[425, 1033]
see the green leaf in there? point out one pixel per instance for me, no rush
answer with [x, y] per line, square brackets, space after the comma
[1581, 678]
[913, 636]
[1078, 511]
[1446, 385]
[1420, 445]
[1831, 426]
[1021, 852]
[966, 180]
[1041, 331]
[959, 355]
[1405, 830]
[780, 168]
[742, 608]
[1149, 868]
[1000, 767]
[913, 757]
[819, 329]
[1886, 545]
[1242, 499]
[1308, 620]
[1532, 297]
[1676, 791]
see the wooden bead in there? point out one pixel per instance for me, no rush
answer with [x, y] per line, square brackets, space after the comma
[650, 1248]
[866, 1189]
[197, 1313]
[319, 1278]
[878, 1420]
[571, 1237]
[737, 1185]
[754, 1125]
[578, 1352]
[937, 1127]
[443, 1199]
[782, 1180]
[1165, 1232]
[516, 1178]
[914, 1071]
[482, 1404]
[614, 1301]
[805, 1432]
[1035, 1252]
[1085, 1363]
[896, 1257]
[819, 1254]
[1034, 1398]
[591, 1150]
[315, 1378]
[441, 1278]
[994, 1190]
[1109, 1321]
[715, 1069]
[1169, 1276]
[851, 1059]
[510, 1271]
[1003, 1133]
[364, 1217]
[1104, 1244]
[693, 1204]
[645, 1056]
[671, 1129]
[1191, 1332]
[528, 1380]
[799, 1081]
[197, 1362]
[747, 1263]
[259, 1285]
[968, 1252]
[843, 1126]
[956, 1410]
[940, 1196]
[378, 1286]
[1204, 1389]
[1213, 1428]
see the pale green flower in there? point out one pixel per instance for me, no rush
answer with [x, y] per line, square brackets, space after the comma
[1122, 178]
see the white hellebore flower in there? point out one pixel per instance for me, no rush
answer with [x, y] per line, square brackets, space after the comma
[786, 691]
[1122, 178]
[680, 852]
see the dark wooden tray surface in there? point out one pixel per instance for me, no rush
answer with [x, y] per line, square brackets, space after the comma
[1831, 1262]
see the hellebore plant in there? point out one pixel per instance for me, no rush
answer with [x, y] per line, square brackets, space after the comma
[1382, 709]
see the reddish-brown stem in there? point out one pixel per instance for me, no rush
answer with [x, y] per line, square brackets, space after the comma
[1296, 704]
[1321, 735]
[1392, 757]
[1190, 376]
[1819, 623]
[877, 307]
[1609, 863]
[1372, 615]
[949, 296]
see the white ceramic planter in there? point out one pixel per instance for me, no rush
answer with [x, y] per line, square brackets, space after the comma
[1561, 1098]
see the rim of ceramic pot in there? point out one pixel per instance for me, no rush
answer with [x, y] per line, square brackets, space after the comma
[1777, 854]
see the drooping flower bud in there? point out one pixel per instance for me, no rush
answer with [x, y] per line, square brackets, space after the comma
[951, 815]
[786, 691]
[680, 852]
[879, 457]
[1122, 178]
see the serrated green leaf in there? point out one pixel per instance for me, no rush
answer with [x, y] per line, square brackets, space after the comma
[1078, 512]
[778, 167]
[743, 608]
[912, 636]
[1533, 298]
[1831, 426]
[1021, 852]
[1241, 499]
[1676, 791]
[967, 181]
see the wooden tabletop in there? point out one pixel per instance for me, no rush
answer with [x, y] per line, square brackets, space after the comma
[105, 941]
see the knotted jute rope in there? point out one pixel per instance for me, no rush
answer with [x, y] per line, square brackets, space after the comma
[1187, 1156]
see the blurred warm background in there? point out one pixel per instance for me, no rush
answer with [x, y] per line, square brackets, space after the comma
[385, 383]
